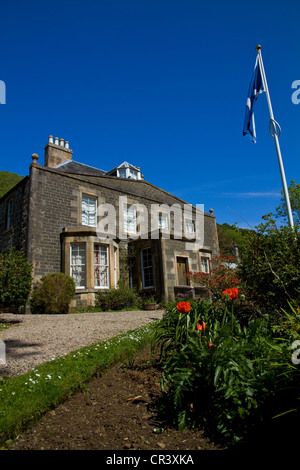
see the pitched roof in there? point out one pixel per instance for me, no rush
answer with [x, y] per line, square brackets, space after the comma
[131, 187]
[71, 166]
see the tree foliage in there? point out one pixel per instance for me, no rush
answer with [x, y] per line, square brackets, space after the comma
[229, 236]
[7, 181]
[294, 194]
[270, 265]
[15, 279]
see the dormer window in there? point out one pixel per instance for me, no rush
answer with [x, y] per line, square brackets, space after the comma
[122, 173]
[133, 174]
[126, 170]
[129, 173]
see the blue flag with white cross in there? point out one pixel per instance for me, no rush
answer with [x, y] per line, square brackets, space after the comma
[256, 87]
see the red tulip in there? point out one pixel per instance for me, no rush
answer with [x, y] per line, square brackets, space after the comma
[232, 292]
[184, 307]
[200, 325]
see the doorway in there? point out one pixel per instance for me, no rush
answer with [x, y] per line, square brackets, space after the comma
[182, 269]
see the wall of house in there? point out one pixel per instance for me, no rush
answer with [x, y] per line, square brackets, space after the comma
[157, 259]
[16, 235]
[51, 202]
[172, 250]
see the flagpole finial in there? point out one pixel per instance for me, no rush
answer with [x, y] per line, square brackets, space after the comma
[258, 48]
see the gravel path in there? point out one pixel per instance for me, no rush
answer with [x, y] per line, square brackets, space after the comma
[33, 339]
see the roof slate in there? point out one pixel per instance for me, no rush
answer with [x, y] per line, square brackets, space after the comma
[75, 167]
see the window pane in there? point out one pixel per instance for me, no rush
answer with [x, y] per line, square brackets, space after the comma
[10, 210]
[147, 272]
[162, 221]
[205, 264]
[89, 210]
[133, 174]
[101, 266]
[78, 264]
[130, 219]
[190, 226]
[122, 173]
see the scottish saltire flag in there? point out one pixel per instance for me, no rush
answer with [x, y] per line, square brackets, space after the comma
[256, 87]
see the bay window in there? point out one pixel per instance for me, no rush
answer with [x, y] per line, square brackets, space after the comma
[101, 265]
[91, 262]
[78, 264]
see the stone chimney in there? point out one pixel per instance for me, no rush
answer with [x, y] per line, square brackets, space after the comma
[57, 152]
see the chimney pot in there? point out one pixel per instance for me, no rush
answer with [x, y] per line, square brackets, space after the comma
[51, 139]
[58, 153]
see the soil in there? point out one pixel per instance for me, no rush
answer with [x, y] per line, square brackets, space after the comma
[117, 411]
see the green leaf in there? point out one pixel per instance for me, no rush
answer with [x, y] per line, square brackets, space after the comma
[217, 375]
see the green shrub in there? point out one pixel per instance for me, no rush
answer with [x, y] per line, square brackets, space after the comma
[117, 299]
[53, 294]
[270, 266]
[15, 279]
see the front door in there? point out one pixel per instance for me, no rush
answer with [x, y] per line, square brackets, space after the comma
[182, 269]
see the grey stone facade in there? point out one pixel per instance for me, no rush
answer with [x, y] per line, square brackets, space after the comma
[47, 221]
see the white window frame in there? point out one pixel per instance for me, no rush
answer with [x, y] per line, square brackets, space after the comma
[122, 173]
[87, 213]
[163, 221]
[189, 227]
[132, 174]
[102, 266]
[128, 173]
[146, 267]
[127, 221]
[74, 265]
[205, 264]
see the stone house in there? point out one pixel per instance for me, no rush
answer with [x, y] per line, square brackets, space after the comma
[104, 227]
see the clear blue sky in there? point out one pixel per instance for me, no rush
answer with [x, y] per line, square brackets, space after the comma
[159, 83]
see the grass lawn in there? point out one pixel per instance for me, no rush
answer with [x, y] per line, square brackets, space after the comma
[24, 399]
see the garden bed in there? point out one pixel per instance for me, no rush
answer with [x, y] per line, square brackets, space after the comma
[118, 411]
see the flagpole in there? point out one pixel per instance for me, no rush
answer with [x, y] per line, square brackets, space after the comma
[275, 135]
